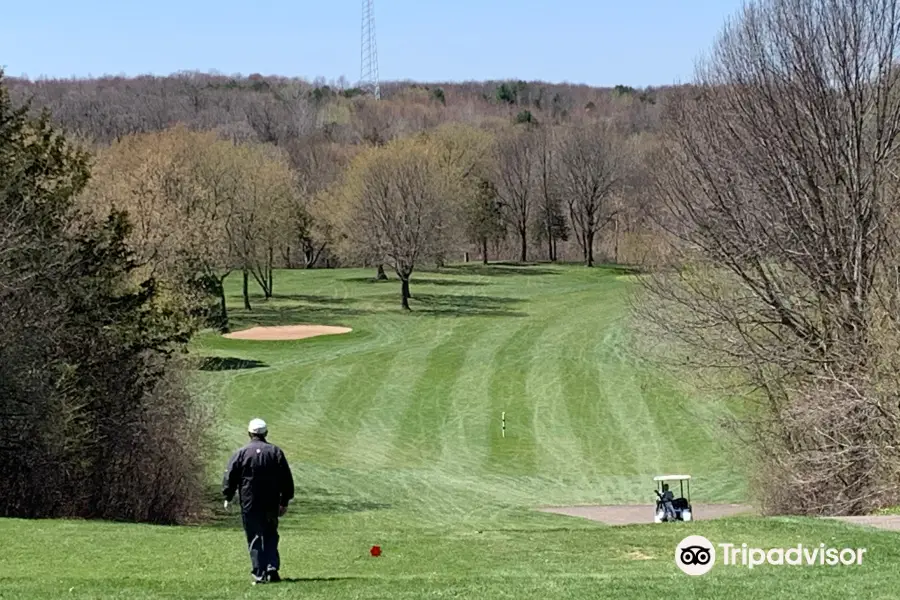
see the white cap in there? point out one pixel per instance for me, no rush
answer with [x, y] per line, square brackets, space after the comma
[257, 426]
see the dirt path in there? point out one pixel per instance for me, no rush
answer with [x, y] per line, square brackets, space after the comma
[286, 332]
[888, 522]
[631, 514]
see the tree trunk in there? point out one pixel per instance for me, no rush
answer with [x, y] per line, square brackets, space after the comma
[484, 250]
[223, 326]
[316, 255]
[381, 275]
[263, 276]
[523, 234]
[246, 291]
[589, 249]
[404, 292]
[271, 273]
[286, 253]
[306, 250]
[550, 238]
[616, 241]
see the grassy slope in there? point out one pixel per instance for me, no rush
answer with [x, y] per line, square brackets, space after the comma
[393, 433]
[406, 410]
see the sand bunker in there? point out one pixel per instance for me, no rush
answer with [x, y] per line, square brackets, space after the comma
[633, 514]
[286, 332]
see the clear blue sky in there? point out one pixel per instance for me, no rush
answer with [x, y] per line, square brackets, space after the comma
[598, 42]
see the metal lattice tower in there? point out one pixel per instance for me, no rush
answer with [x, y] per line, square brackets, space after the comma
[368, 74]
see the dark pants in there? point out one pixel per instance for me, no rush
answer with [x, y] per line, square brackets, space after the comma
[262, 541]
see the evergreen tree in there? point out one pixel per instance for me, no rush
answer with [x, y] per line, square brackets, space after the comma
[95, 421]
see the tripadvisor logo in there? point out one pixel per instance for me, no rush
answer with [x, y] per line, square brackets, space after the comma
[696, 555]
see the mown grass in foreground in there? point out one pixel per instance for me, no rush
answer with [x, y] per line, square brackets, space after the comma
[528, 557]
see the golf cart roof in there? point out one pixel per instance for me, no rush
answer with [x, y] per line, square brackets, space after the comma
[671, 477]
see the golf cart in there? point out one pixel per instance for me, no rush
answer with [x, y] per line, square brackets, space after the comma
[679, 508]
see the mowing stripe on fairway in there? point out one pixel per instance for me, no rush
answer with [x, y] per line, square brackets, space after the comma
[552, 367]
[349, 402]
[474, 417]
[425, 418]
[380, 441]
[516, 453]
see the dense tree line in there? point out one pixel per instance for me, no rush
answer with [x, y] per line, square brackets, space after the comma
[274, 109]
[171, 149]
[96, 420]
[321, 126]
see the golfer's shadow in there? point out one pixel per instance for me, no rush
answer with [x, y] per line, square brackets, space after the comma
[312, 579]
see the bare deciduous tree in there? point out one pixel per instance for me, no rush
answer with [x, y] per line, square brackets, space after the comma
[394, 205]
[318, 164]
[780, 185]
[551, 220]
[516, 175]
[593, 162]
[265, 192]
[464, 158]
[183, 191]
[636, 240]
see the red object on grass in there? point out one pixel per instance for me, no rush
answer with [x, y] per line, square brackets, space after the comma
[375, 551]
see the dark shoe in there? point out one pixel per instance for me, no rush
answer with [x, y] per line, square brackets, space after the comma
[272, 576]
[259, 580]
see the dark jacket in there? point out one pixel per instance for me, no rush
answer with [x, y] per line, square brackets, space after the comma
[261, 472]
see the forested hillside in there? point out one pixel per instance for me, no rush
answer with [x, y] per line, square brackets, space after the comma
[320, 127]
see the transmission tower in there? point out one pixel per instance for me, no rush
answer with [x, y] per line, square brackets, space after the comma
[368, 75]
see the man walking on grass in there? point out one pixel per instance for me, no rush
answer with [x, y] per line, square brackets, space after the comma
[261, 472]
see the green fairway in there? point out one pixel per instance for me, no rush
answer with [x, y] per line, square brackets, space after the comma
[405, 411]
[394, 435]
